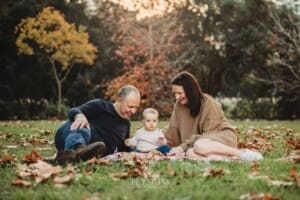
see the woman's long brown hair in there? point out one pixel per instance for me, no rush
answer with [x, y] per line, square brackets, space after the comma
[192, 90]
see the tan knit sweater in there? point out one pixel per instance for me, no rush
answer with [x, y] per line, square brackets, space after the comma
[184, 129]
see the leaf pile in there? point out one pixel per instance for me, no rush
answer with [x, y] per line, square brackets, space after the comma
[36, 171]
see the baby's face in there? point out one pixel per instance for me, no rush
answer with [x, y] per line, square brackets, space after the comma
[150, 122]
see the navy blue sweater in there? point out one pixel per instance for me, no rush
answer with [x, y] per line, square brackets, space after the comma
[105, 123]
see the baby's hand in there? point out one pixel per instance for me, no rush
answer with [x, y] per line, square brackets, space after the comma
[161, 140]
[126, 142]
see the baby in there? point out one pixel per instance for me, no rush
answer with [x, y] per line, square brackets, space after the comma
[149, 138]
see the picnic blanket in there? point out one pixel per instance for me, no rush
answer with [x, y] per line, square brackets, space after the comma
[119, 156]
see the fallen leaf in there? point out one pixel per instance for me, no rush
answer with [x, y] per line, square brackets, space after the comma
[36, 141]
[293, 143]
[101, 161]
[255, 168]
[44, 148]
[47, 132]
[5, 135]
[211, 172]
[39, 171]
[258, 196]
[63, 180]
[6, 159]
[21, 182]
[271, 181]
[59, 185]
[33, 157]
[11, 146]
[119, 175]
[280, 183]
[294, 175]
[43, 177]
[140, 171]
[170, 170]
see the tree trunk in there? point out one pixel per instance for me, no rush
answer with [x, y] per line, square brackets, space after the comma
[150, 43]
[58, 83]
[59, 92]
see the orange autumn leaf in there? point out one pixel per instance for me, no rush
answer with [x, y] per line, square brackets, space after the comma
[293, 143]
[140, 170]
[294, 175]
[119, 175]
[33, 157]
[47, 132]
[211, 172]
[101, 161]
[36, 141]
[296, 159]
[5, 135]
[39, 172]
[170, 170]
[136, 172]
[21, 182]
[5, 159]
[255, 168]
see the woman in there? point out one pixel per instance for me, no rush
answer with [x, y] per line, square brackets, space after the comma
[198, 125]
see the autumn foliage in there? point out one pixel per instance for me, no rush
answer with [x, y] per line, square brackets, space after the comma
[49, 35]
[149, 53]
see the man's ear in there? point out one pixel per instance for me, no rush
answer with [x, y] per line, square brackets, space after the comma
[119, 99]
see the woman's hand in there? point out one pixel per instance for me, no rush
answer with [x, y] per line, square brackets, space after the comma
[176, 151]
[80, 122]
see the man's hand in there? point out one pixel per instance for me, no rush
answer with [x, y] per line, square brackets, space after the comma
[176, 151]
[80, 122]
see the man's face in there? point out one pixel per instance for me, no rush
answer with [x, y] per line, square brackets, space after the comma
[129, 105]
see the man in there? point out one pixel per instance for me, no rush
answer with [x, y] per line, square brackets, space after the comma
[97, 127]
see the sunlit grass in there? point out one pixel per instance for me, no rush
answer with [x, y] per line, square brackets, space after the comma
[188, 181]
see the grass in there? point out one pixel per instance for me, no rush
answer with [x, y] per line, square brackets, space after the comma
[187, 181]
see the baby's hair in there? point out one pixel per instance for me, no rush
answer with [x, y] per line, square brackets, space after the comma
[150, 111]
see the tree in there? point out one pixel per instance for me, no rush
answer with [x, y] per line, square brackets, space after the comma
[49, 35]
[149, 47]
[14, 87]
[283, 62]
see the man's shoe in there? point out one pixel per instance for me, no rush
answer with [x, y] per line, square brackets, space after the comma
[66, 156]
[86, 152]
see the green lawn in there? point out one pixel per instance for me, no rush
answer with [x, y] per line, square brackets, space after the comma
[170, 179]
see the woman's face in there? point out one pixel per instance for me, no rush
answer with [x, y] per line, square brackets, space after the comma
[179, 94]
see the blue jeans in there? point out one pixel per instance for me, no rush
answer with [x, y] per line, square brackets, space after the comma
[163, 149]
[65, 139]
